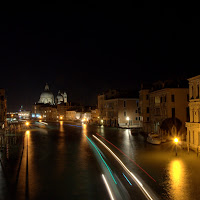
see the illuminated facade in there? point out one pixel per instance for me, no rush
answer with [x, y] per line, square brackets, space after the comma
[193, 125]
[47, 96]
[117, 110]
[159, 104]
[79, 113]
[48, 108]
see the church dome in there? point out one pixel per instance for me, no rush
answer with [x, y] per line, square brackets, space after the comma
[60, 98]
[47, 96]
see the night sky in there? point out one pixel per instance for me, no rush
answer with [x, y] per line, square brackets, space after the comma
[85, 49]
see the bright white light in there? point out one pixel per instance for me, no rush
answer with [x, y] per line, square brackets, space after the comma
[107, 186]
[127, 118]
[127, 170]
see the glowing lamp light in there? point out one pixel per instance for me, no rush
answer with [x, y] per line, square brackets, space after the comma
[27, 123]
[127, 118]
[27, 132]
[176, 140]
[61, 117]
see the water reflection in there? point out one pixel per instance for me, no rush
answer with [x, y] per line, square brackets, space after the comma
[83, 147]
[177, 180]
[61, 127]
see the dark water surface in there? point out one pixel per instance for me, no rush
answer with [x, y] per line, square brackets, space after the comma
[61, 163]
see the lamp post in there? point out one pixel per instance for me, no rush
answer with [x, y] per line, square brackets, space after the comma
[128, 121]
[176, 142]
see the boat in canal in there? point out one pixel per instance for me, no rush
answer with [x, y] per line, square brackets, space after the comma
[153, 139]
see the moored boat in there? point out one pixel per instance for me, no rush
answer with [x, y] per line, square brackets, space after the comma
[153, 139]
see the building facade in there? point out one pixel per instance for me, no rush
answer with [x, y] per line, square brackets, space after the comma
[48, 108]
[144, 109]
[193, 125]
[164, 110]
[3, 109]
[115, 110]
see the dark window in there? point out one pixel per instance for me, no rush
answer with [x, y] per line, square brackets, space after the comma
[147, 109]
[187, 114]
[124, 103]
[147, 119]
[173, 112]
[147, 97]
[187, 97]
[124, 113]
[172, 98]
[135, 111]
[192, 93]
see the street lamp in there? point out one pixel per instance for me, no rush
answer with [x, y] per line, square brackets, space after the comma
[176, 142]
[27, 123]
[128, 121]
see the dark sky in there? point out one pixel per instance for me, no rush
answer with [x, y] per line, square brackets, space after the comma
[87, 48]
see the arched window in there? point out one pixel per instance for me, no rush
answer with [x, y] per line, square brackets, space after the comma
[193, 137]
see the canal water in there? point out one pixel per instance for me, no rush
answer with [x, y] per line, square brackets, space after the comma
[59, 163]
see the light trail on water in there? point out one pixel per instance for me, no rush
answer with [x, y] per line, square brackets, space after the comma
[127, 179]
[135, 179]
[108, 188]
[128, 158]
[102, 158]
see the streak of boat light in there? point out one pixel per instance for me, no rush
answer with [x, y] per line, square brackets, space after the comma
[127, 179]
[101, 158]
[135, 179]
[128, 158]
[108, 188]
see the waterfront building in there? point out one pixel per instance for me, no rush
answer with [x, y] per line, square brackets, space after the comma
[144, 109]
[79, 113]
[164, 109]
[3, 108]
[193, 125]
[46, 96]
[48, 108]
[118, 108]
[95, 116]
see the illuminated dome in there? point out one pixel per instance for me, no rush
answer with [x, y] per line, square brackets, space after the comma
[60, 98]
[47, 96]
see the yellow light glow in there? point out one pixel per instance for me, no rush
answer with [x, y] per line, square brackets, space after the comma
[83, 119]
[27, 132]
[178, 180]
[27, 123]
[61, 117]
[176, 140]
